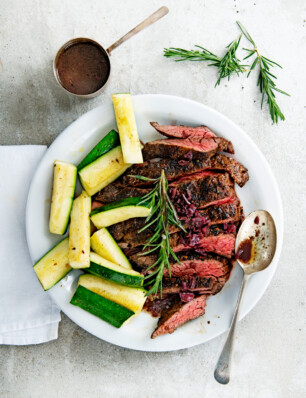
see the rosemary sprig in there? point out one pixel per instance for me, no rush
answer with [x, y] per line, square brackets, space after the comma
[227, 65]
[162, 215]
[265, 77]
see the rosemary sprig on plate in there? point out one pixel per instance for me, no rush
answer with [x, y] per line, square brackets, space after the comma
[265, 77]
[162, 215]
[227, 65]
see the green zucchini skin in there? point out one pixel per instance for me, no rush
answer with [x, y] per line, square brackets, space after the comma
[107, 310]
[110, 141]
[114, 276]
[119, 203]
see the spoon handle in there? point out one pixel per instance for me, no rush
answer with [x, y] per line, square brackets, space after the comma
[223, 367]
[161, 12]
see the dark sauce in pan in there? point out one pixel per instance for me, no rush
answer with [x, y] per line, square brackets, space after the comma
[83, 68]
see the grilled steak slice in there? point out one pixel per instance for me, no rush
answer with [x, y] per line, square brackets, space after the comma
[220, 243]
[203, 189]
[196, 264]
[134, 238]
[118, 191]
[178, 314]
[179, 148]
[191, 264]
[226, 213]
[184, 131]
[122, 228]
[156, 305]
[178, 168]
[237, 171]
[218, 214]
[208, 286]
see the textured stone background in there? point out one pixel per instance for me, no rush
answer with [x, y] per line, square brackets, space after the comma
[270, 351]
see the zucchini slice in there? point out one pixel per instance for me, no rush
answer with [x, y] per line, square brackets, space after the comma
[101, 267]
[122, 210]
[128, 297]
[64, 180]
[104, 170]
[127, 128]
[105, 245]
[110, 141]
[101, 307]
[54, 265]
[79, 234]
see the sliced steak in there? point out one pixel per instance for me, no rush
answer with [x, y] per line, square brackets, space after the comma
[141, 262]
[118, 191]
[212, 215]
[175, 169]
[134, 238]
[122, 228]
[224, 163]
[156, 305]
[178, 314]
[226, 213]
[203, 189]
[196, 264]
[208, 286]
[177, 148]
[191, 264]
[184, 131]
[220, 243]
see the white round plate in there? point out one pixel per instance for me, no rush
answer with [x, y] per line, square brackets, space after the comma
[260, 192]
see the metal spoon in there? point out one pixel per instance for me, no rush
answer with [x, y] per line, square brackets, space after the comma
[255, 247]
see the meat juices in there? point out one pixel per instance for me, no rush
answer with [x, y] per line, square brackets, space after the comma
[83, 68]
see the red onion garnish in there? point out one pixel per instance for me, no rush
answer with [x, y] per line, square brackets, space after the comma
[184, 286]
[192, 283]
[183, 162]
[186, 297]
[188, 155]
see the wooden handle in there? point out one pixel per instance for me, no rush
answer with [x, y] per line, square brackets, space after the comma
[161, 12]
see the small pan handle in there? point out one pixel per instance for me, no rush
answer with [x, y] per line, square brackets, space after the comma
[161, 12]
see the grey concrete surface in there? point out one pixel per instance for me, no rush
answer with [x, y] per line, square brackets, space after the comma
[270, 351]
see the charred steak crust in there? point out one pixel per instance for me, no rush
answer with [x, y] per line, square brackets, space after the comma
[237, 171]
[119, 230]
[178, 314]
[118, 191]
[205, 188]
[175, 169]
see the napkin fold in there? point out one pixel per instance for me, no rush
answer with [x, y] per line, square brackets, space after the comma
[27, 314]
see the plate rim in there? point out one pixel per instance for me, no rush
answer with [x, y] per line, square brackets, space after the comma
[278, 202]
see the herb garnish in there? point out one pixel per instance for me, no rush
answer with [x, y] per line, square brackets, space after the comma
[162, 215]
[231, 64]
[265, 78]
[227, 65]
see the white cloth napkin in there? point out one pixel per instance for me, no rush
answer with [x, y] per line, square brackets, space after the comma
[27, 314]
